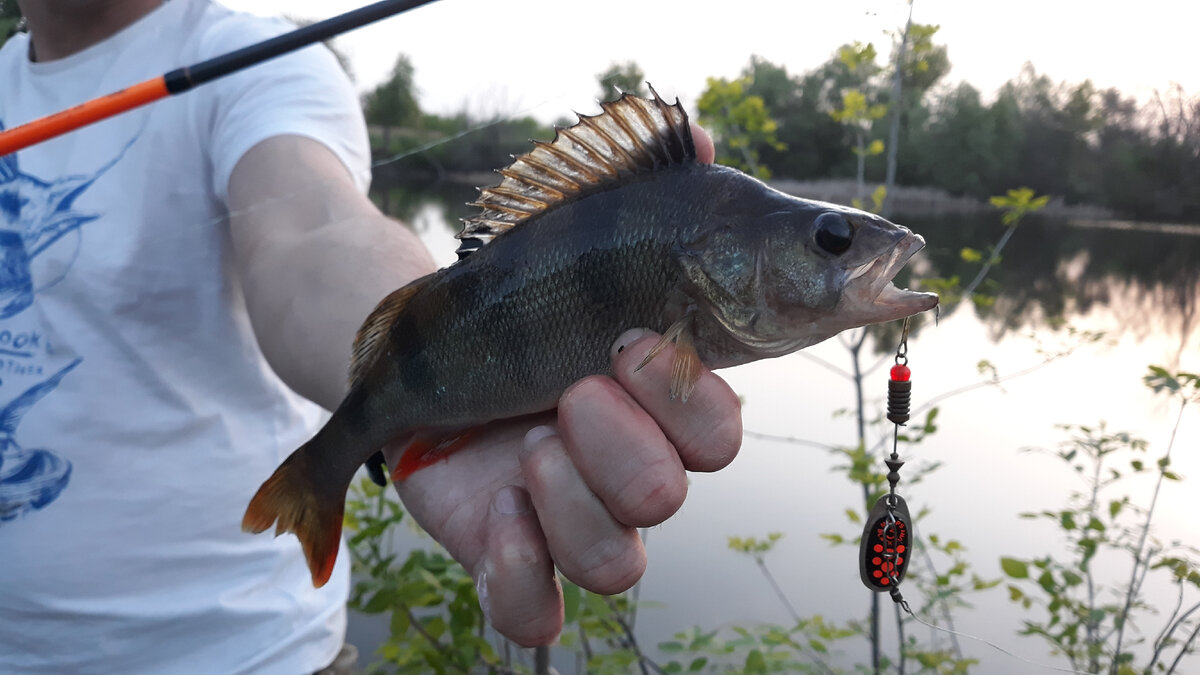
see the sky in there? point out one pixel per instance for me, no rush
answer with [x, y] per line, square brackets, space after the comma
[541, 57]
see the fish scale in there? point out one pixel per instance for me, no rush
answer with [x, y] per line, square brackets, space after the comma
[613, 225]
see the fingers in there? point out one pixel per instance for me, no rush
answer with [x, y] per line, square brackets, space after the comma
[587, 543]
[515, 580]
[705, 151]
[621, 452]
[706, 430]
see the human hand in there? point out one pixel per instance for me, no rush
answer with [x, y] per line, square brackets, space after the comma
[569, 488]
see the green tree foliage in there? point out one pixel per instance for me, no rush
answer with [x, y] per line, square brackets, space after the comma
[10, 19]
[394, 102]
[740, 124]
[622, 77]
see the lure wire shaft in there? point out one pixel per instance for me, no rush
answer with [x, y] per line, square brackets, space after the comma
[182, 79]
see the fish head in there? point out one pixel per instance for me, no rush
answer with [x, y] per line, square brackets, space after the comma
[792, 272]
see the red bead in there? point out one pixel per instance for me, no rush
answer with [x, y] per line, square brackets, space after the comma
[900, 373]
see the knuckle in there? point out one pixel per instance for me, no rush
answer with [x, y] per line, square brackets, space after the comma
[608, 566]
[537, 631]
[653, 495]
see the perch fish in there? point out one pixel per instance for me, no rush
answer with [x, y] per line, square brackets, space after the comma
[612, 225]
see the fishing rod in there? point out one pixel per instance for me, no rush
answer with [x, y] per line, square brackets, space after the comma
[183, 79]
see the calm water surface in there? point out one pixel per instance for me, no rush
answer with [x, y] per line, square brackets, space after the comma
[1139, 288]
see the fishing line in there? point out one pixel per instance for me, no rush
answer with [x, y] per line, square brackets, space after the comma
[993, 645]
[886, 541]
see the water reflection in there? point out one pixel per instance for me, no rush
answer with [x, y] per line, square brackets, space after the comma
[1052, 271]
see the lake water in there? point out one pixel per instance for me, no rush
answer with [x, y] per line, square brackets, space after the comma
[1139, 288]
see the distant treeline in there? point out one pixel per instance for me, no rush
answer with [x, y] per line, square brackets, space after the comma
[1072, 141]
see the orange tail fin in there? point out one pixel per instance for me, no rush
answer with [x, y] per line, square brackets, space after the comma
[306, 503]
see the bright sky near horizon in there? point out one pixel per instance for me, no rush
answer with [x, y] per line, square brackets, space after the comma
[541, 57]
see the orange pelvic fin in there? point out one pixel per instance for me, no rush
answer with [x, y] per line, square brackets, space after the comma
[294, 502]
[426, 450]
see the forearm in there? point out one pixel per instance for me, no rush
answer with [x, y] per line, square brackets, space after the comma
[314, 258]
[316, 291]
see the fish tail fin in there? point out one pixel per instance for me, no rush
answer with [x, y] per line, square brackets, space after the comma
[297, 498]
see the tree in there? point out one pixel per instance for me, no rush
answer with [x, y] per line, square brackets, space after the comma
[620, 78]
[856, 113]
[10, 20]
[740, 124]
[394, 102]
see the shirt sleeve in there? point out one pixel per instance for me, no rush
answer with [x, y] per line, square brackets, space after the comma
[303, 93]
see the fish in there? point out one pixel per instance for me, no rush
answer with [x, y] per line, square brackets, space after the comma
[612, 225]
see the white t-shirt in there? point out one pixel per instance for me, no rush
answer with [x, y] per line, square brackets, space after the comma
[137, 413]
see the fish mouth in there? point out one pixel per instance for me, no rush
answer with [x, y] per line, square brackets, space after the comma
[872, 294]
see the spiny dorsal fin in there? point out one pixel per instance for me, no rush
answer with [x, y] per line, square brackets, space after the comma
[631, 135]
[373, 334]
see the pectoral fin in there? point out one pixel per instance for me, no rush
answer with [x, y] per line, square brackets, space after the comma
[686, 365]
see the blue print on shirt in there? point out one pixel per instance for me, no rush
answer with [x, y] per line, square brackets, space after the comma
[34, 214]
[29, 479]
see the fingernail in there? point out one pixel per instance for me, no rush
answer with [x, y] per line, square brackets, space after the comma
[627, 338]
[538, 434]
[481, 591]
[511, 501]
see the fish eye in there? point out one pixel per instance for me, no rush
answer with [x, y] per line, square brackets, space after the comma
[833, 233]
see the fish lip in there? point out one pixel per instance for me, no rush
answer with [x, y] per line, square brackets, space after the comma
[877, 294]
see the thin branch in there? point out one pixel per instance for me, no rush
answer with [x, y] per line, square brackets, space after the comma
[1183, 649]
[643, 661]
[988, 265]
[787, 439]
[1178, 622]
[825, 364]
[762, 566]
[1138, 558]
[1160, 642]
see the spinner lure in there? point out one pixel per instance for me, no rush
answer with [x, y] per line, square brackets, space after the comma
[887, 537]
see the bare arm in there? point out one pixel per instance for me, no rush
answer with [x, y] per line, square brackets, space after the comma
[314, 256]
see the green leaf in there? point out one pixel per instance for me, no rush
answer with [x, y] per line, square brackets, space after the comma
[697, 664]
[399, 623]
[852, 514]
[1017, 569]
[755, 663]
[572, 599]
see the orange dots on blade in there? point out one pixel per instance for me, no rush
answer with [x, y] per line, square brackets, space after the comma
[879, 548]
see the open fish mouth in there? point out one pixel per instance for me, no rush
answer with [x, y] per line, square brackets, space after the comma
[869, 287]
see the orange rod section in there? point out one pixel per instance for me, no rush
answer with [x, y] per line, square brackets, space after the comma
[83, 114]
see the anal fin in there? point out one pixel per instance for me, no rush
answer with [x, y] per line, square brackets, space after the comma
[425, 449]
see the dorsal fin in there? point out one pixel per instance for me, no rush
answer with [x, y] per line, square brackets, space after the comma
[374, 331]
[632, 135]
